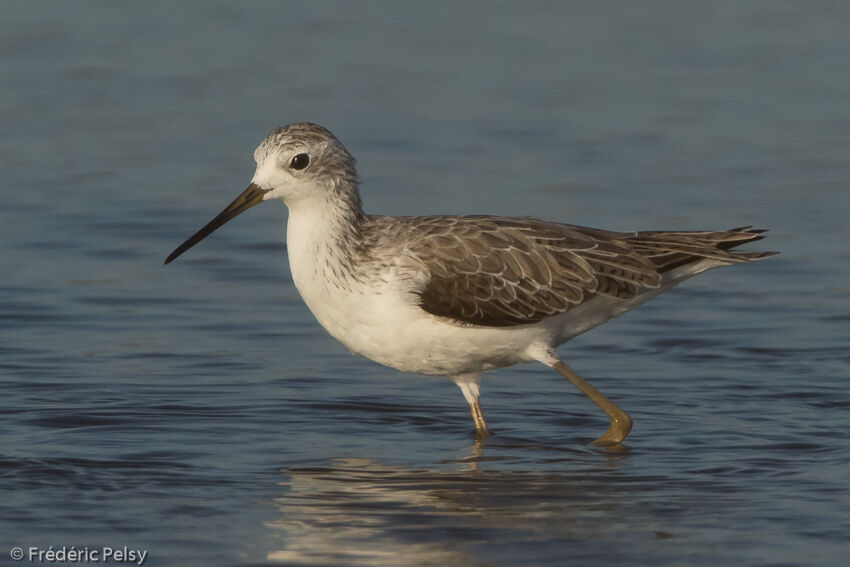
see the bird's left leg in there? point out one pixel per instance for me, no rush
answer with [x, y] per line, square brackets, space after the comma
[621, 423]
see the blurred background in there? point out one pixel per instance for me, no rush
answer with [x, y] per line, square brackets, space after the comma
[199, 412]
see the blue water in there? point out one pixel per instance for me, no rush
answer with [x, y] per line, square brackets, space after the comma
[198, 412]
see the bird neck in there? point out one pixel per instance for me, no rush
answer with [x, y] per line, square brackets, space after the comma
[326, 230]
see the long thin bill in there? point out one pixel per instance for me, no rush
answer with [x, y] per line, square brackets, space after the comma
[251, 196]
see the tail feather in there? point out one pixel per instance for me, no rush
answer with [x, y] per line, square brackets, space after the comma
[753, 256]
[671, 249]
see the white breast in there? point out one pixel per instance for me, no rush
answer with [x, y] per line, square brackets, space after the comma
[373, 310]
[376, 314]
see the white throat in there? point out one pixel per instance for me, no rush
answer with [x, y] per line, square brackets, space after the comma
[322, 239]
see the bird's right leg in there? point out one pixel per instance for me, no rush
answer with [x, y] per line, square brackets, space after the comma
[469, 384]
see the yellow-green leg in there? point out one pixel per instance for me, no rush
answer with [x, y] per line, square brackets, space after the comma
[469, 384]
[621, 423]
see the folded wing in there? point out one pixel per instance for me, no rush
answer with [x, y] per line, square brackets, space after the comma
[500, 272]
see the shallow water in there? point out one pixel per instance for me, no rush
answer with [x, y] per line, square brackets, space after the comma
[198, 411]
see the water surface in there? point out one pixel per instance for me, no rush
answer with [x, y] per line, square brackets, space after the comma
[198, 411]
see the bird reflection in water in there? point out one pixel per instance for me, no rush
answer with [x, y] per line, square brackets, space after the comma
[363, 512]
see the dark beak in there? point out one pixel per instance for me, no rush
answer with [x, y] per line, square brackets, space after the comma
[251, 196]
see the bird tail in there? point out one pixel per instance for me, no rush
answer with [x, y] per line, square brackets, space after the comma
[671, 249]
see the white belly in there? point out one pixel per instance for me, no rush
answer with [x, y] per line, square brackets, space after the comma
[382, 324]
[376, 315]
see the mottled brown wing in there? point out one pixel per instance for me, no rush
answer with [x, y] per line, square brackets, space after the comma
[499, 272]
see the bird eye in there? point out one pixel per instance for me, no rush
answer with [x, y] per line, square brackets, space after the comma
[300, 161]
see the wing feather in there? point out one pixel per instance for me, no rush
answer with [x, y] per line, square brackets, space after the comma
[502, 271]
[497, 271]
